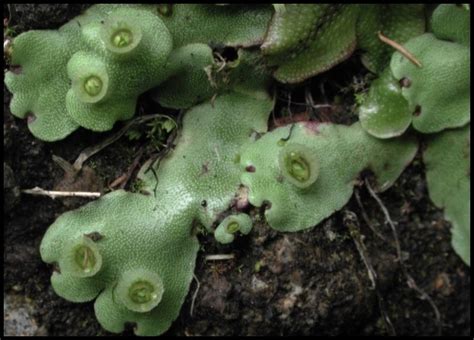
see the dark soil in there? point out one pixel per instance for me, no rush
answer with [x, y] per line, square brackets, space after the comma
[306, 283]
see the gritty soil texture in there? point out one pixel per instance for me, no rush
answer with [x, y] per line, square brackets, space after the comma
[312, 282]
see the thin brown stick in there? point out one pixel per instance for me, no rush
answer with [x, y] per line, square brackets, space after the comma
[92, 150]
[118, 181]
[409, 279]
[53, 194]
[352, 223]
[198, 285]
[132, 167]
[7, 48]
[407, 54]
[65, 165]
[221, 60]
[289, 105]
[366, 218]
[219, 257]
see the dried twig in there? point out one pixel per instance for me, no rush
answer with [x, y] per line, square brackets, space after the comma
[123, 179]
[7, 48]
[54, 194]
[366, 218]
[387, 219]
[410, 281]
[218, 257]
[68, 169]
[118, 181]
[316, 106]
[11, 12]
[407, 54]
[92, 150]
[198, 285]
[289, 104]
[221, 60]
[213, 99]
[352, 223]
[132, 167]
[309, 101]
